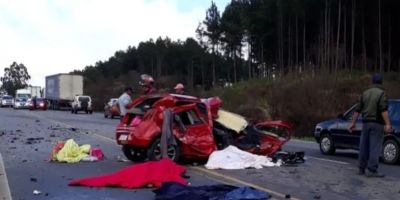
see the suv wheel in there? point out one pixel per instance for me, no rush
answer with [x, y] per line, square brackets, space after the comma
[154, 152]
[390, 152]
[326, 145]
[134, 154]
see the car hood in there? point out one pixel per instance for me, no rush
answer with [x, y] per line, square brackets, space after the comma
[327, 123]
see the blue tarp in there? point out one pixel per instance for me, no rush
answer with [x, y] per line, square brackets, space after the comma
[172, 191]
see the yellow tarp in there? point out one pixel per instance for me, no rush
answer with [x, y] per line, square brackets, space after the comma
[72, 152]
[231, 120]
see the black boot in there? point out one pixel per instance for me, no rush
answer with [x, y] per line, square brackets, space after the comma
[361, 171]
[374, 174]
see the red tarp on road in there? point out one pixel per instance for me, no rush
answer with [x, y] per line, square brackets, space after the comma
[152, 173]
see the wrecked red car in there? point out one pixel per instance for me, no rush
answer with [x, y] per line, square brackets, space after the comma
[199, 127]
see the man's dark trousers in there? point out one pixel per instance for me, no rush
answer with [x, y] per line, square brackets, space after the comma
[370, 146]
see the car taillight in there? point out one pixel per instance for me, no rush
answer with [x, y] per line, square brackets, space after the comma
[41, 104]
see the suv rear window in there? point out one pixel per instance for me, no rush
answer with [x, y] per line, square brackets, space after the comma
[86, 99]
[7, 97]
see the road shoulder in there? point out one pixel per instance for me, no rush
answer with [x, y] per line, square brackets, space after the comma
[5, 193]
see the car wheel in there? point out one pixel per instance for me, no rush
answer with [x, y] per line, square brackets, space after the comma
[326, 145]
[91, 112]
[72, 111]
[390, 151]
[112, 116]
[105, 115]
[154, 152]
[134, 154]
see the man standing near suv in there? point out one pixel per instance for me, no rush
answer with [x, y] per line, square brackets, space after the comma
[373, 106]
[124, 100]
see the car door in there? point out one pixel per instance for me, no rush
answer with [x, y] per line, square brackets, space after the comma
[193, 131]
[340, 134]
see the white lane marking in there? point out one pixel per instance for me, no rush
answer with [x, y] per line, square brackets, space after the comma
[302, 141]
[328, 160]
[4, 186]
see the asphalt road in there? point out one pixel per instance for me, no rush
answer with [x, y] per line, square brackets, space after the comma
[28, 169]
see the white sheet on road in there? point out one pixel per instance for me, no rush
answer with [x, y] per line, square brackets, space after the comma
[234, 158]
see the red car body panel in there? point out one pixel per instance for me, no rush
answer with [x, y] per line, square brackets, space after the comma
[197, 140]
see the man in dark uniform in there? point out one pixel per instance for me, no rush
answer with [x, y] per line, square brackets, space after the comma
[373, 106]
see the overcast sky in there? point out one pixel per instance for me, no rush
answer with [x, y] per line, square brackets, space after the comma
[58, 36]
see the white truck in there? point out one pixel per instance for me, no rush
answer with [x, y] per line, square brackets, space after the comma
[28, 92]
[61, 90]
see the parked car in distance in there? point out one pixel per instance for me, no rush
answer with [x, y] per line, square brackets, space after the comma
[21, 103]
[41, 104]
[333, 134]
[111, 108]
[7, 101]
[82, 103]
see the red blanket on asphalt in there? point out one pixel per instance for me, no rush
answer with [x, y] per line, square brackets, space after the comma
[137, 176]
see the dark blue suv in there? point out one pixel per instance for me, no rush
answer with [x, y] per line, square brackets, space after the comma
[333, 134]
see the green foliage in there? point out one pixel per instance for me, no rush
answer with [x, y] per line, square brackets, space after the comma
[15, 77]
[213, 24]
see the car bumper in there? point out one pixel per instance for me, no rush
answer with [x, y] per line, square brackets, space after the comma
[20, 106]
[126, 136]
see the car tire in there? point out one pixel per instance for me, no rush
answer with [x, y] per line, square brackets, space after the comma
[390, 151]
[91, 112]
[105, 115]
[154, 152]
[327, 145]
[72, 111]
[112, 116]
[134, 154]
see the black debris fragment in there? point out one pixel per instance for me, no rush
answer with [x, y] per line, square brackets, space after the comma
[317, 196]
[52, 135]
[34, 140]
[288, 196]
[33, 180]
[24, 161]
[72, 129]
[36, 149]
[18, 130]
[37, 120]
[12, 148]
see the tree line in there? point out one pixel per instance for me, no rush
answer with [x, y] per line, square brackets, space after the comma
[269, 38]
